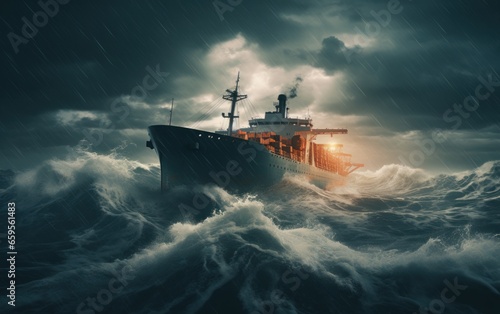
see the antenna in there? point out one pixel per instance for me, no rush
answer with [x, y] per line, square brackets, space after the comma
[171, 110]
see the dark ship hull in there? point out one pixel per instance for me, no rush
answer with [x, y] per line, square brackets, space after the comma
[189, 156]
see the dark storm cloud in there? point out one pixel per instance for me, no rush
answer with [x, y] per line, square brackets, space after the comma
[437, 55]
[332, 56]
[91, 53]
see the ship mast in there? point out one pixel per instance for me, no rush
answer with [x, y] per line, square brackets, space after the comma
[171, 110]
[234, 97]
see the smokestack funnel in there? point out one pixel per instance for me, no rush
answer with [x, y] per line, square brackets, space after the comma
[282, 104]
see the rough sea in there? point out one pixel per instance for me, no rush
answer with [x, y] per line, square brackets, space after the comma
[95, 235]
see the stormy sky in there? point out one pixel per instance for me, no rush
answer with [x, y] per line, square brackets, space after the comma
[416, 82]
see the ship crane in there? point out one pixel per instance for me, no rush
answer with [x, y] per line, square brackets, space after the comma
[353, 167]
[311, 136]
[315, 132]
[350, 167]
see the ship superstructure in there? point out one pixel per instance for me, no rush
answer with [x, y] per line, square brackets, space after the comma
[258, 155]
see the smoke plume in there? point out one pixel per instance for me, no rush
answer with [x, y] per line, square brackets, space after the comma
[292, 93]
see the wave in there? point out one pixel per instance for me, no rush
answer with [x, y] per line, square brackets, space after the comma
[388, 241]
[402, 180]
[241, 254]
[388, 180]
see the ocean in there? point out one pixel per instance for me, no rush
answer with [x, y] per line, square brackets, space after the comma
[93, 234]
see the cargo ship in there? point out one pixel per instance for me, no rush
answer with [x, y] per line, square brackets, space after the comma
[257, 156]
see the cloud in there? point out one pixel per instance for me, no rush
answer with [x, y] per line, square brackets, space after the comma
[76, 117]
[334, 55]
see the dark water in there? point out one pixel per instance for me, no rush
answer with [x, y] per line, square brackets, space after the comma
[94, 235]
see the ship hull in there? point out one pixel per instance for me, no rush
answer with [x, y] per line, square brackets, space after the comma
[190, 156]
